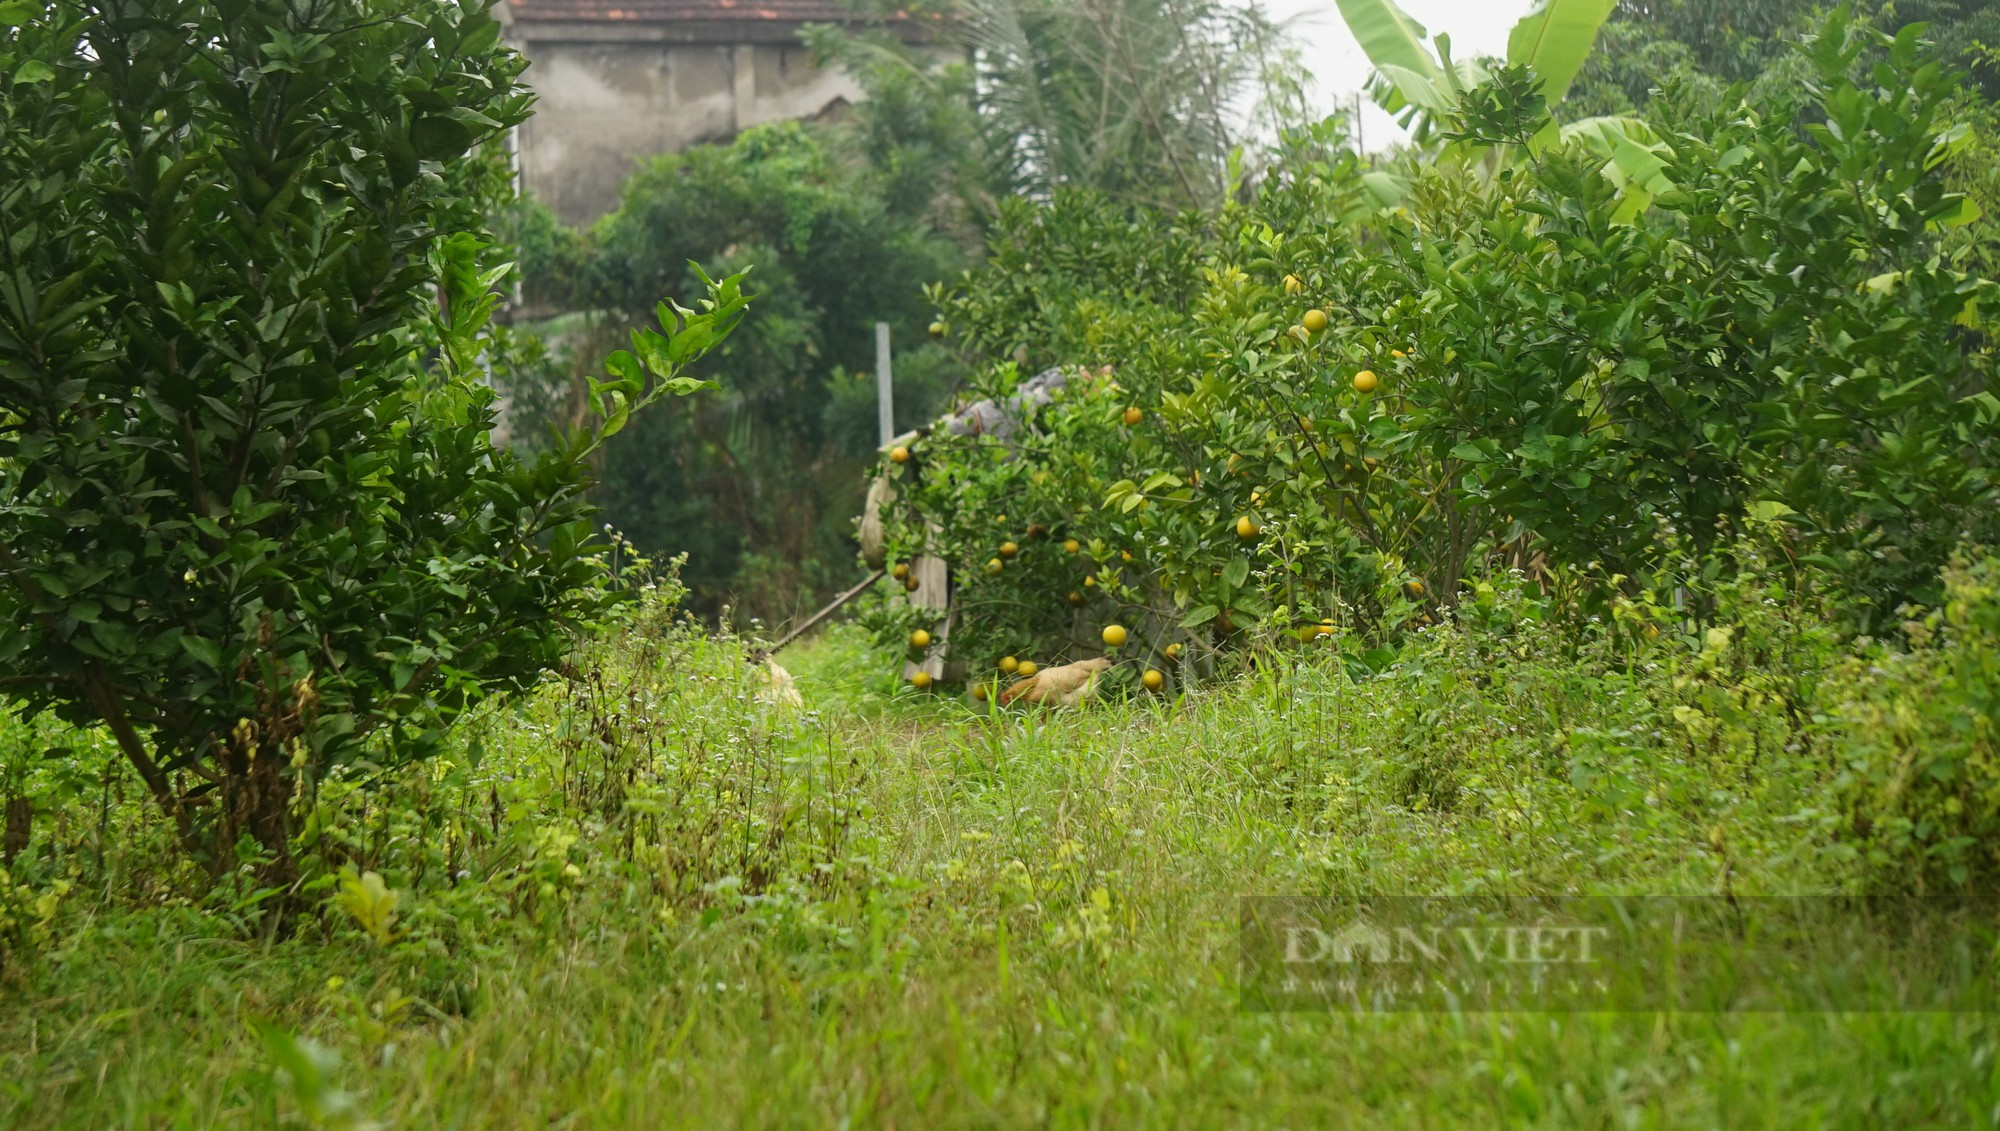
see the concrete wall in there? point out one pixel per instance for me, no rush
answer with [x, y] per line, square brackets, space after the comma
[604, 105]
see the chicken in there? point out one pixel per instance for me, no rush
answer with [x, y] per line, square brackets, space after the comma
[777, 687]
[1063, 686]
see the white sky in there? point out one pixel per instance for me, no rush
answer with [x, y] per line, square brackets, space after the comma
[1476, 27]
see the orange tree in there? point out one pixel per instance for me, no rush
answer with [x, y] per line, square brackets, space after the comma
[1515, 355]
[252, 519]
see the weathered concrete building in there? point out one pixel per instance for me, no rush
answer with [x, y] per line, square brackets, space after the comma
[621, 80]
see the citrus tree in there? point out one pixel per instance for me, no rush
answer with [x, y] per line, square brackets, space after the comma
[1517, 365]
[251, 517]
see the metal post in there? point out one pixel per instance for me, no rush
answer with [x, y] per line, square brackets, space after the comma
[885, 403]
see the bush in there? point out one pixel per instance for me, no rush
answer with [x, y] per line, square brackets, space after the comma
[253, 520]
[1921, 754]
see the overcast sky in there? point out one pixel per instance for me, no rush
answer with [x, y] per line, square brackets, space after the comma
[1476, 27]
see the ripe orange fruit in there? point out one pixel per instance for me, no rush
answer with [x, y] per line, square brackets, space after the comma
[920, 639]
[921, 680]
[1037, 530]
[901, 571]
[1314, 321]
[1071, 545]
[899, 454]
[1089, 579]
[1027, 668]
[1397, 353]
[1174, 651]
[1365, 382]
[994, 566]
[1153, 679]
[910, 584]
[1074, 597]
[1008, 664]
[1125, 555]
[1134, 415]
[1009, 549]
[1246, 527]
[979, 692]
[1114, 635]
[1413, 590]
[1294, 284]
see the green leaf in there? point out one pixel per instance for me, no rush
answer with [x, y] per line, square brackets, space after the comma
[1386, 190]
[1390, 38]
[687, 386]
[14, 13]
[1554, 38]
[1417, 89]
[1635, 159]
[33, 71]
[204, 650]
[439, 138]
[1200, 615]
[1236, 572]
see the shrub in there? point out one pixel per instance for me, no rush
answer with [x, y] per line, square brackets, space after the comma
[1921, 753]
[251, 516]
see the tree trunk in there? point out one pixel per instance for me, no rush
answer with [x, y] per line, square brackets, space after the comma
[20, 823]
[257, 799]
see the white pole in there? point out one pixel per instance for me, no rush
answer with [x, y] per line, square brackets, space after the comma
[885, 404]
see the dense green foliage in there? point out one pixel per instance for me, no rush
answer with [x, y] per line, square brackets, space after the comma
[756, 485]
[251, 519]
[1556, 383]
[847, 221]
[1708, 44]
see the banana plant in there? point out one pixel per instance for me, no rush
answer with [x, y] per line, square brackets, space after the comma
[1422, 86]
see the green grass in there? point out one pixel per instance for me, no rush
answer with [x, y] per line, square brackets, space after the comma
[890, 911]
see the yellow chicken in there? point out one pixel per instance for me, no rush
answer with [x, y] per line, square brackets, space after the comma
[1063, 686]
[775, 686]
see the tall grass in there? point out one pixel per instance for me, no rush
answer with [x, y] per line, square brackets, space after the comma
[653, 899]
